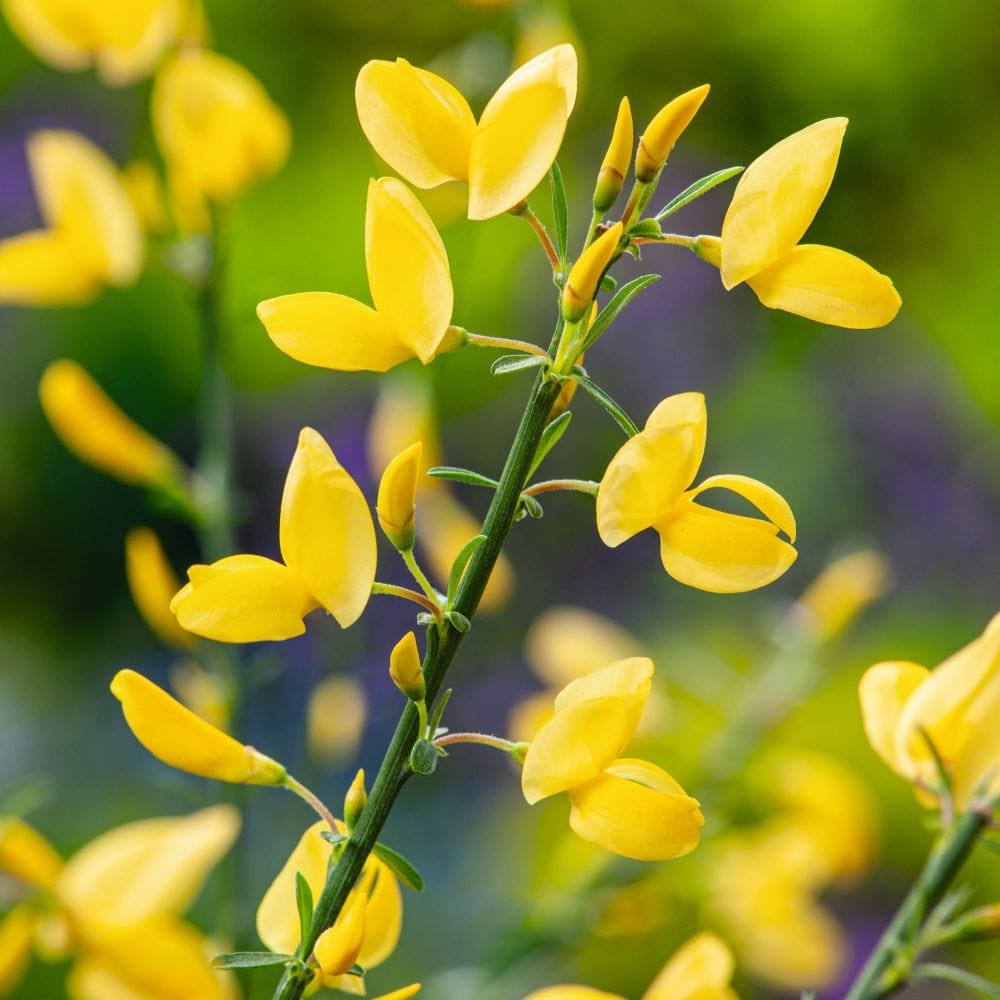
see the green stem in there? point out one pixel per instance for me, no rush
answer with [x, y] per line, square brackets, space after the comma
[421, 577]
[943, 864]
[510, 747]
[975, 984]
[595, 221]
[442, 645]
[504, 343]
[312, 799]
[576, 485]
[391, 590]
[543, 237]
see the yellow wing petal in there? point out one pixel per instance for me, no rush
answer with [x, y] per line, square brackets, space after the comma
[520, 132]
[415, 120]
[701, 969]
[151, 868]
[777, 197]
[326, 530]
[45, 268]
[628, 680]
[637, 810]
[407, 267]
[25, 855]
[332, 331]
[829, 286]
[884, 691]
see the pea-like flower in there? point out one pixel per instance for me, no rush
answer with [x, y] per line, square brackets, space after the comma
[425, 130]
[648, 484]
[775, 201]
[627, 806]
[92, 237]
[410, 283]
[907, 709]
[327, 540]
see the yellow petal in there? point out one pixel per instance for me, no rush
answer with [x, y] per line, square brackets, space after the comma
[25, 855]
[397, 497]
[571, 993]
[45, 268]
[96, 430]
[701, 969]
[777, 197]
[17, 929]
[145, 191]
[383, 915]
[637, 810]
[407, 267]
[132, 35]
[51, 32]
[585, 275]
[153, 584]
[403, 993]
[243, 598]
[338, 947]
[404, 415]
[843, 590]
[686, 415]
[332, 331]
[203, 692]
[326, 530]
[829, 286]
[520, 132]
[884, 691]
[416, 121]
[151, 868]
[767, 500]
[178, 737]
[616, 161]
[335, 720]
[664, 130]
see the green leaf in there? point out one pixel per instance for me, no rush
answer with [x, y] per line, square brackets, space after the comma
[304, 902]
[405, 871]
[458, 621]
[696, 190]
[435, 721]
[623, 420]
[518, 362]
[355, 970]
[646, 229]
[977, 985]
[559, 211]
[621, 299]
[551, 436]
[608, 284]
[531, 505]
[250, 959]
[461, 561]
[459, 475]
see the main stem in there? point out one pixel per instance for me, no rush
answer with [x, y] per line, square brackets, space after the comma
[943, 864]
[442, 645]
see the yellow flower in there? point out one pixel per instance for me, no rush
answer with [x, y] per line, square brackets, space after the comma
[97, 432]
[410, 284]
[955, 705]
[425, 130]
[664, 130]
[178, 737]
[338, 947]
[842, 591]
[375, 903]
[397, 497]
[335, 719]
[584, 276]
[117, 903]
[146, 194]
[405, 668]
[91, 238]
[627, 806]
[153, 583]
[216, 127]
[775, 200]
[648, 485]
[611, 176]
[327, 542]
[122, 38]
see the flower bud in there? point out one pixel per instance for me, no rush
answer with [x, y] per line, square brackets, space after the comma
[664, 130]
[980, 924]
[339, 946]
[581, 285]
[405, 670]
[397, 493]
[355, 801]
[709, 249]
[611, 176]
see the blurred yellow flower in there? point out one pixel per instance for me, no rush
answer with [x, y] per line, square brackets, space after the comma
[178, 737]
[335, 719]
[124, 39]
[581, 285]
[153, 584]
[410, 283]
[327, 541]
[842, 591]
[425, 130]
[955, 706]
[664, 130]
[375, 903]
[776, 199]
[614, 167]
[116, 904]
[647, 485]
[627, 806]
[217, 128]
[92, 237]
[397, 497]
[203, 692]
[142, 183]
[97, 431]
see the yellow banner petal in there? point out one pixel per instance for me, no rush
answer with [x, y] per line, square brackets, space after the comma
[686, 415]
[884, 691]
[701, 969]
[628, 680]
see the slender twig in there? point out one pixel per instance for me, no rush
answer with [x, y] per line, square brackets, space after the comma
[296, 786]
[543, 237]
[976, 984]
[421, 577]
[483, 739]
[674, 239]
[505, 343]
[391, 590]
[551, 485]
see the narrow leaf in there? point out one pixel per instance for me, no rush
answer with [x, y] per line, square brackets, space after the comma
[559, 211]
[405, 872]
[518, 362]
[442, 703]
[250, 959]
[531, 505]
[304, 902]
[976, 985]
[554, 430]
[460, 475]
[608, 284]
[696, 190]
[624, 421]
[619, 301]
[461, 561]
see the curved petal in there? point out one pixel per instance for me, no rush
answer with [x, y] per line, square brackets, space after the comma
[686, 416]
[42, 25]
[722, 553]
[829, 286]
[636, 810]
[407, 267]
[520, 132]
[153, 583]
[151, 868]
[884, 691]
[132, 35]
[415, 120]
[701, 969]
[767, 500]
[777, 197]
[17, 930]
[338, 947]
[383, 916]
[45, 268]
[326, 530]
[628, 680]
[27, 856]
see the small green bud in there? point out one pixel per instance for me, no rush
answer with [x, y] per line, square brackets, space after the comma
[355, 800]
[423, 757]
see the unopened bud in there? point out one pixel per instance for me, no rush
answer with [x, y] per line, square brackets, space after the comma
[355, 801]
[709, 249]
[616, 160]
[397, 496]
[980, 924]
[581, 285]
[405, 670]
[664, 130]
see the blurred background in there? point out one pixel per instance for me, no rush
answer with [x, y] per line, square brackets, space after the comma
[885, 440]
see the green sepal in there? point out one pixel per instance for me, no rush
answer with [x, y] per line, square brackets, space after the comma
[560, 213]
[554, 430]
[426, 618]
[356, 970]
[608, 284]
[461, 561]
[250, 959]
[624, 421]
[646, 229]
[458, 621]
[304, 903]
[456, 474]
[332, 837]
[610, 312]
[423, 757]
[697, 189]
[403, 869]
[508, 363]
